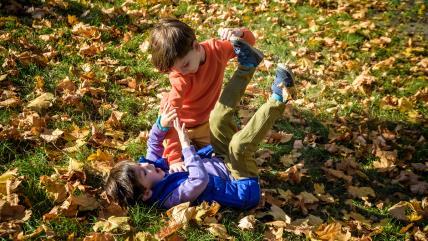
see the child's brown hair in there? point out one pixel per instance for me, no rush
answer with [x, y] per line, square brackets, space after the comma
[122, 184]
[170, 39]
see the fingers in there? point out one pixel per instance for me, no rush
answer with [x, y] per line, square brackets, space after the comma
[177, 167]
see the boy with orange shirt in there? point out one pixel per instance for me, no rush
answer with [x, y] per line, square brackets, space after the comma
[196, 72]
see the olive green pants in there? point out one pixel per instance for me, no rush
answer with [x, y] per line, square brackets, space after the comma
[238, 148]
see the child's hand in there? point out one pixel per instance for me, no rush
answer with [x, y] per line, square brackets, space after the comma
[182, 133]
[168, 114]
[227, 33]
[177, 167]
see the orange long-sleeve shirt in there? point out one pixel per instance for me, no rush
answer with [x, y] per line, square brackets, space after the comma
[194, 95]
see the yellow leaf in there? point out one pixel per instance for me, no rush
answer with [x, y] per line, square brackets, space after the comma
[219, 231]
[112, 224]
[42, 102]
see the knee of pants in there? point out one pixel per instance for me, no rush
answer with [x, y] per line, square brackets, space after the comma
[236, 147]
[215, 120]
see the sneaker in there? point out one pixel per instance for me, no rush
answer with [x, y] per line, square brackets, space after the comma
[284, 79]
[247, 55]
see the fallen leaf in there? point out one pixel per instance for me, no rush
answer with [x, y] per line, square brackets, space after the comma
[247, 222]
[279, 214]
[361, 192]
[99, 237]
[219, 231]
[42, 102]
[112, 224]
[51, 136]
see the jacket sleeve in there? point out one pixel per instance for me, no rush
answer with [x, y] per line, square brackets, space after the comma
[195, 184]
[154, 143]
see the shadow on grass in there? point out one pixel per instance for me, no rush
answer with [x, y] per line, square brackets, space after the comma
[388, 189]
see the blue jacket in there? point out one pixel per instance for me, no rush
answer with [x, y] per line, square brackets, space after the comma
[242, 194]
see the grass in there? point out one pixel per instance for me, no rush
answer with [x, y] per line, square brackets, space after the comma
[283, 30]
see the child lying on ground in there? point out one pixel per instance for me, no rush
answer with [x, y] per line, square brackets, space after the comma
[231, 177]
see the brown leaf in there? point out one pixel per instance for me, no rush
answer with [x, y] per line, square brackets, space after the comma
[91, 50]
[114, 120]
[99, 237]
[332, 231]
[181, 213]
[9, 212]
[55, 188]
[11, 102]
[387, 160]
[66, 86]
[168, 230]
[280, 137]
[361, 192]
[337, 174]
[279, 214]
[294, 173]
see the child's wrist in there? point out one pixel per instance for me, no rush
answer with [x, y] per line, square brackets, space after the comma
[159, 125]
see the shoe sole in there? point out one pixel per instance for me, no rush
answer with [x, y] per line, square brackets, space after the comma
[258, 53]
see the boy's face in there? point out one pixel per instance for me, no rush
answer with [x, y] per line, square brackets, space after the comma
[189, 64]
[149, 175]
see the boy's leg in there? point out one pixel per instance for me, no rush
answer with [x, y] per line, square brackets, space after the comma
[222, 126]
[242, 147]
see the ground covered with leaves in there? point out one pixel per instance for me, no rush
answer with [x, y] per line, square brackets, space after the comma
[348, 160]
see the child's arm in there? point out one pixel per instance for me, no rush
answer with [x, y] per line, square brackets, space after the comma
[198, 177]
[158, 132]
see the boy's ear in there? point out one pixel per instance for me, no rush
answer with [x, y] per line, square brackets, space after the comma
[195, 45]
[147, 194]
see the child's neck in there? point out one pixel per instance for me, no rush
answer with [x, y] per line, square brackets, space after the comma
[202, 54]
